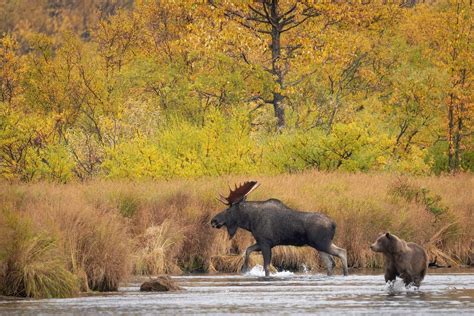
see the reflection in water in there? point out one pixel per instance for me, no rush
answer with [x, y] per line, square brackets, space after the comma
[281, 293]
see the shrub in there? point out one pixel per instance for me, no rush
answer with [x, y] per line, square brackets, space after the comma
[158, 248]
[54, 163]
[423, 196]
[185, 150]
[350, 147]
[97, 244]
[31, 263]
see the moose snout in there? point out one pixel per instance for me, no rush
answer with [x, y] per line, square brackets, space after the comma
[215, 223]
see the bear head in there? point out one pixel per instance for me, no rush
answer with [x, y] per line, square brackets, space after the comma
[386, 243]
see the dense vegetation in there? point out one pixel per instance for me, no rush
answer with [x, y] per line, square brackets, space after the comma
[165, 89]
[60, 239]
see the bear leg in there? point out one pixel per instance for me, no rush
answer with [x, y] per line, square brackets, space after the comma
[390, 274]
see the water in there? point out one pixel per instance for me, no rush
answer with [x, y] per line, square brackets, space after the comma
[282, 293]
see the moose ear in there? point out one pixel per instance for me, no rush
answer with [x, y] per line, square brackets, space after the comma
[388, 235]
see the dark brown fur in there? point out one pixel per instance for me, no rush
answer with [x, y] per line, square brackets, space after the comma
[272, 223]
[406, 260]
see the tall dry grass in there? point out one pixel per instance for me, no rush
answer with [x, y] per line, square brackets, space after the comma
[107, 229]
[157, 249]
[94, 241]
[31, 262]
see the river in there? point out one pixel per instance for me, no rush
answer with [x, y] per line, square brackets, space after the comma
[442, 292]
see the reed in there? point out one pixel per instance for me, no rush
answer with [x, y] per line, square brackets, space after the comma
[157, 250]
[31, 262]
[95, 241]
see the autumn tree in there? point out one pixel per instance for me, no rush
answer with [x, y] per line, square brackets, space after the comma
[458, 57]
[54, 16]
[272, 19]
[446, 34]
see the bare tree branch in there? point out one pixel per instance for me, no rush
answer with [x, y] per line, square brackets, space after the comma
[260, 14]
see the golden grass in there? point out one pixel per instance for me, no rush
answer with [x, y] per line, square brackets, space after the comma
[157, 249]
[110, 228]
[31, 263]
[95, 241]
[234, 263]
[296, 258]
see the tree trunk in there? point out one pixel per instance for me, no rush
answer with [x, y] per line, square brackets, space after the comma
[278, 105]
[458, 137]
[451, 148]
[266, 18]
[460, 122]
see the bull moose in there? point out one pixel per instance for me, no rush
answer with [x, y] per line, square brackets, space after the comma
[272, 223]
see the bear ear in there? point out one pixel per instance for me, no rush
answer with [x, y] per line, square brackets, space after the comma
[388, 235]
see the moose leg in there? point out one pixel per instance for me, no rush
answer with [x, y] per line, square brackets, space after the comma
[328, 261]
[342, 254]
[249, 250]
[267, 258]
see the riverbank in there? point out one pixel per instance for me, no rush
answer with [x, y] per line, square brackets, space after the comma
[64, 239]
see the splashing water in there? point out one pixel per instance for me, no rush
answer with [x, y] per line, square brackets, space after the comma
[258, 271]
[304, 268]
[398, 287]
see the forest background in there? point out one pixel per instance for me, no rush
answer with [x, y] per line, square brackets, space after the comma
[173, 89]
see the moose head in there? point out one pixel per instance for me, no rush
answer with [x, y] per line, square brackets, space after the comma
[230, 216]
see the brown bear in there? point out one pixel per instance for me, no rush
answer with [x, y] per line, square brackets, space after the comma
[406, 260]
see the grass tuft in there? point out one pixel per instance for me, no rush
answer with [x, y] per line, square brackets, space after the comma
[31, 263]
[157, 250]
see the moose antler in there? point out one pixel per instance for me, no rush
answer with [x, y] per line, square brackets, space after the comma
[238, 193]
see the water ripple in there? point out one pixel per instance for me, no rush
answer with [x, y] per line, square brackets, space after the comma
[282, 293]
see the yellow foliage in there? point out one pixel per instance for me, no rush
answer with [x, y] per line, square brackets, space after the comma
[185, 89]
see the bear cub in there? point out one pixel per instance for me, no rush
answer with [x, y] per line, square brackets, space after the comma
[406, 260]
